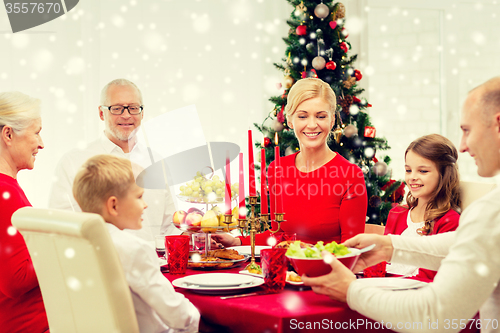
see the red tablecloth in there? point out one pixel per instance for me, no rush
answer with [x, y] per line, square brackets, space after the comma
[295, 309]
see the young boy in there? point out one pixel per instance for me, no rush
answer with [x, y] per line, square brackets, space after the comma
[105, 185]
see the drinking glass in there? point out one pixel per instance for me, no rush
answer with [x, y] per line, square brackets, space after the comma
[178, 253]
[160, 246]
[274, 266]
[378, 270]
[279, 237]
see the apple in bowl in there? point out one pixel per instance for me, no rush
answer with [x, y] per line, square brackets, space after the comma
[193, 220]
[179, 218]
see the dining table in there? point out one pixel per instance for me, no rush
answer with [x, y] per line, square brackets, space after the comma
[295, 309]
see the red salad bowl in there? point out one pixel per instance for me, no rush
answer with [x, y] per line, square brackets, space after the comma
[313, 267]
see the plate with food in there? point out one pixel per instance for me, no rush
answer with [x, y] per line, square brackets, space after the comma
[292, 278]
[217, 259]
[186, 283]
[246, 249]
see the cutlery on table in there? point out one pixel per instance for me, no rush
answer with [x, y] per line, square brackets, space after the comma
[244, 295]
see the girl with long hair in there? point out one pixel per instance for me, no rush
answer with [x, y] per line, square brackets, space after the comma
[433, 200]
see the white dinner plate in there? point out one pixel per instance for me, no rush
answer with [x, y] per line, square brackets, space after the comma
[392, 283]
[181, 283]
[245, 249]
[218, 279]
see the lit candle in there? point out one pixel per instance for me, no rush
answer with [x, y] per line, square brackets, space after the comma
[263, 183]
[241, 196]
[278, 190]
[251, 170]
[227, 191]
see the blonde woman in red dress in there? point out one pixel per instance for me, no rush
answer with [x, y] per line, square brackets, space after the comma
[324, 195]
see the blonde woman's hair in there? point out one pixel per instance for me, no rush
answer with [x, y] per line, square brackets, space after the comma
[118, 82]
[101, 177]
[443, 154]
[18, 110]
[309, 88]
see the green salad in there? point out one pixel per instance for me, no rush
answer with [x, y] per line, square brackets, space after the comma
[296, 251]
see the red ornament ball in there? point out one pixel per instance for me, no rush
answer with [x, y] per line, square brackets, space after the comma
[301, 30]
[267, 142]
[333, 24]
[358, 75]
[331, 65]
[344, 47]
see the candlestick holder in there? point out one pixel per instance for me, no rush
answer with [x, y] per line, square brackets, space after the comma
[251, 224]
[264, 222]
[278, 218]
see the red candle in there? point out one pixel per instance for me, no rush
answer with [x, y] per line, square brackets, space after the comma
[263, 183]
[278, 190]
[251, 170]
[227, 192]
[241, 196]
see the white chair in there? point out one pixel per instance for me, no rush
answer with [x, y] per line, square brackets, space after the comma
[79, 272]
[471, 191]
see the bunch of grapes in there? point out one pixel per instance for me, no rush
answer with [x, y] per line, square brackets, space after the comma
[201, 189]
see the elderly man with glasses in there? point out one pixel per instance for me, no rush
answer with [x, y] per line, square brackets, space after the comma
[121, 109]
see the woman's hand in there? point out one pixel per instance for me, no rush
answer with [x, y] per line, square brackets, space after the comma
[336, 283]
[382, 251]
[226, 239]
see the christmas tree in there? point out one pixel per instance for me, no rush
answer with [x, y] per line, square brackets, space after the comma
[317, 46]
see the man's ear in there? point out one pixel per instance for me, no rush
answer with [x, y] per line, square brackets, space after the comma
[101, 113]
[497, 122]
[7, 134]
[111, 206]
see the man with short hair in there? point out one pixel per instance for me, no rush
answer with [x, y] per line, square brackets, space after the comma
[467, 260]
[121, 109]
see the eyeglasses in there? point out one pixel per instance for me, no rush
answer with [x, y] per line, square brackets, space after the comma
[119, 109]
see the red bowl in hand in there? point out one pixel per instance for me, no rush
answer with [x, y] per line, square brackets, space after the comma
[313, 267]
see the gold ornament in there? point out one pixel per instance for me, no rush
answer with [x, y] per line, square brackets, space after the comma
[337, 134]
[301, 7]
[349, 82]
[288, 81]
[340, 11]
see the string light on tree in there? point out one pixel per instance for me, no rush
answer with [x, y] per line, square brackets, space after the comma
[369, 152]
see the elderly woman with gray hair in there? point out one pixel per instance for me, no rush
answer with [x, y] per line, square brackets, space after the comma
[21, 303]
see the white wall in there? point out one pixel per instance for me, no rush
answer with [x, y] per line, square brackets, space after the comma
[218, 55]
[424, 56]
[215, 54]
